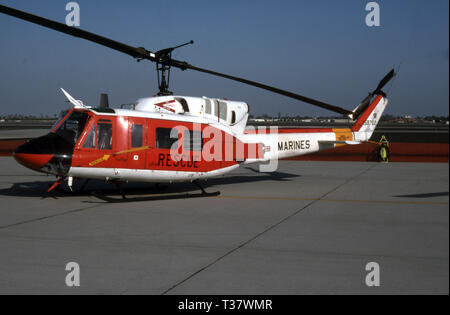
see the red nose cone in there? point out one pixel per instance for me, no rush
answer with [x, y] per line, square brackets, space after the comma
[33, 161]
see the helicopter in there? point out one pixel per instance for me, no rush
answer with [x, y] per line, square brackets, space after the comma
[168, 138]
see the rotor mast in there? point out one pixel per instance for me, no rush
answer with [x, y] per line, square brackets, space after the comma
[163, 66]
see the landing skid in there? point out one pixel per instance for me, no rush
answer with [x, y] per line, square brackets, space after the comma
[124, 198]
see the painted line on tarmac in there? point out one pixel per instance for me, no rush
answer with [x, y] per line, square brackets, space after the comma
[332, 200]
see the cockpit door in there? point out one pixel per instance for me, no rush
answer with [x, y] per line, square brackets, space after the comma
[97, 145]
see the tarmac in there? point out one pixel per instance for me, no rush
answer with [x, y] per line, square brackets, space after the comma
[309, 228]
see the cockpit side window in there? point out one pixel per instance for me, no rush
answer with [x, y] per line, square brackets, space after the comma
[89, 143]
[136, 136]
[104, 136]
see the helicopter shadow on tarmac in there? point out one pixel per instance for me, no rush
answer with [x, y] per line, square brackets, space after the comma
[132, 192]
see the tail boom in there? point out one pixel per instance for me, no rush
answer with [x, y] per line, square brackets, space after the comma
[285, 143]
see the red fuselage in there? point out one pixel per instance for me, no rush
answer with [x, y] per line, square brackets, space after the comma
[90, 139]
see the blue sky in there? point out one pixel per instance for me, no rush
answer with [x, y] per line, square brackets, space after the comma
[321, 49]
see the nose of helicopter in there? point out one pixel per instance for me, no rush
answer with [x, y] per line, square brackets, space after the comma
[48, 154]
[30, 160]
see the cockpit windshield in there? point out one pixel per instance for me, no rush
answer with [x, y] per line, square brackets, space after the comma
[71, 128]
[60, 117]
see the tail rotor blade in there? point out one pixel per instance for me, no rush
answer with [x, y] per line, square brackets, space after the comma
[366, 101]
[384, 81]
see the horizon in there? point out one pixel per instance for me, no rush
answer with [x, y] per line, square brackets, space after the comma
[263, 115]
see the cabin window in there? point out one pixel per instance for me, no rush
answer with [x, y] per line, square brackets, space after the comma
[104, 136]
[164, 139]
[136, 136]
[233, 117]
[208, 106]
[89, 143]
[193, 140]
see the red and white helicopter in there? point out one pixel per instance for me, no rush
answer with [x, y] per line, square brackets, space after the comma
[170, 138]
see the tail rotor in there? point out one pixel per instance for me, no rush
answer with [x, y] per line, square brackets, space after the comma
[367, 100]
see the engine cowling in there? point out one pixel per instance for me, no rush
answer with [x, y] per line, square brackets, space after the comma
[231, 113]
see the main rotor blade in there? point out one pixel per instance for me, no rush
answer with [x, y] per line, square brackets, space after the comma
[136, 52]
[275, 90]
[362, 106]
[142, 53]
